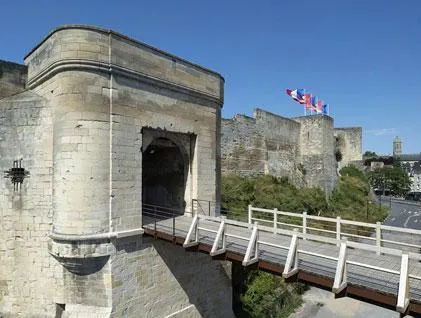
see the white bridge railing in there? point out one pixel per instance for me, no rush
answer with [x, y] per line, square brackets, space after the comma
[369, 233]
[302, 231]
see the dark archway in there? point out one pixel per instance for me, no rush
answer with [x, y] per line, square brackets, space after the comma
[164, 175]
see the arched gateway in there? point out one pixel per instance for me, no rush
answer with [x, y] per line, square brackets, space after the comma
[167, 173]
[106, 126]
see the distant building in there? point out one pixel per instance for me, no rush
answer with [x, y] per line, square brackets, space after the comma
[378, 162]
[397, 146]
[411, 163]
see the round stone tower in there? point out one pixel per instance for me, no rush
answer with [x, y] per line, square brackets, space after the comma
[397, 146]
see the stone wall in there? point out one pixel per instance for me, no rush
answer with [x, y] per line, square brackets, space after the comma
[317, 146]
[349, 143]
[156, 279]
[28, 273]
[264, 144]
[302, 149]
[12, 78]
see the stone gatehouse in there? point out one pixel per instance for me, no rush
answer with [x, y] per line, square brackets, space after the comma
[104, 129]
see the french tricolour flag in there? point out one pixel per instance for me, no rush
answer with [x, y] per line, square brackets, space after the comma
[297, 95]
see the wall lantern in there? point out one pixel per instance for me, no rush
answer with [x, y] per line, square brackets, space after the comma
[17, 174]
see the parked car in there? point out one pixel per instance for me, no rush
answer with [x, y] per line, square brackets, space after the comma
[413, 196]
[378, 191]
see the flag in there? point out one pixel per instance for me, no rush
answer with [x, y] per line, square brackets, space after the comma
[313, 101]
[307, 99]
[300, 94]
[292, 93]
[296, 94]
[319, 106]
[324, 109]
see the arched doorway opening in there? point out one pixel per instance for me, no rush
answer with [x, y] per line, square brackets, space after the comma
[164, 175]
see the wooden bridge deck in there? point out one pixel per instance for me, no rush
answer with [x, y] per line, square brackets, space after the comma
[317, 261]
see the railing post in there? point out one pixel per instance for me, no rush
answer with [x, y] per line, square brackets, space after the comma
[193, 228]
[253, 244]
[275, 220]
[249, 215]
[403, 292]
[340, 282]
[378, 237]
[220, 235]
[209, 208]
[154, 217]
[173, 228]
[291, 263]
[338, 230]
[304, 224]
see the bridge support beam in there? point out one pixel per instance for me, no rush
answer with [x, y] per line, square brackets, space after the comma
[291, 264]
[219, 236]
[193, 229]
[340, 282]
[253, 245]
[403, 293]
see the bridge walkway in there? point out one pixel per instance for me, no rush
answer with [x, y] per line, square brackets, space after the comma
[358, 269]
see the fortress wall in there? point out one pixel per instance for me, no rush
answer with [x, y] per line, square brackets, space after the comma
[156, 279]
[349, 142]
[281, 143]
[12, 78]
[266, 143]
[243, 148]
[28, 281]
[317, 145]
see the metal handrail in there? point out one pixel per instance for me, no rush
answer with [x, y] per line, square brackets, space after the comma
[375, 235]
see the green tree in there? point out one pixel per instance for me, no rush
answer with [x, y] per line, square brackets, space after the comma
[392, 178]
[351, 198]
[269, 296]
[369, 154]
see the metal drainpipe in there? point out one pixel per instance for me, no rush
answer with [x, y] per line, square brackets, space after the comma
[110, 229]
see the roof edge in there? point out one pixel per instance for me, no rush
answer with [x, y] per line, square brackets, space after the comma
[125, 37]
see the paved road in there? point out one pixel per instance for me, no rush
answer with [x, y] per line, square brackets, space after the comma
[320, 303]
[403, 213]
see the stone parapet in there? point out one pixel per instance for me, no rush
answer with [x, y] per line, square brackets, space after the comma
[93, 48]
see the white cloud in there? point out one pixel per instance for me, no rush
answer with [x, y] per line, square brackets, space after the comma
[382, 131]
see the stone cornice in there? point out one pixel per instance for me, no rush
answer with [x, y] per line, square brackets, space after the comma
[97, 66]
[122, 36]
[94, 236]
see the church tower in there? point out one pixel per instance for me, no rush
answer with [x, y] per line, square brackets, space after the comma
[397, 146]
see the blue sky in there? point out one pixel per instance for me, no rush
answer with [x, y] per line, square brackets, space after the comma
[362, 57]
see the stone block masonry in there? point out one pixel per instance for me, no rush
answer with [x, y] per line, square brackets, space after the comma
[12, 78]
[349, 143]
[97, 128]
[301, 149]
[262, 144]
